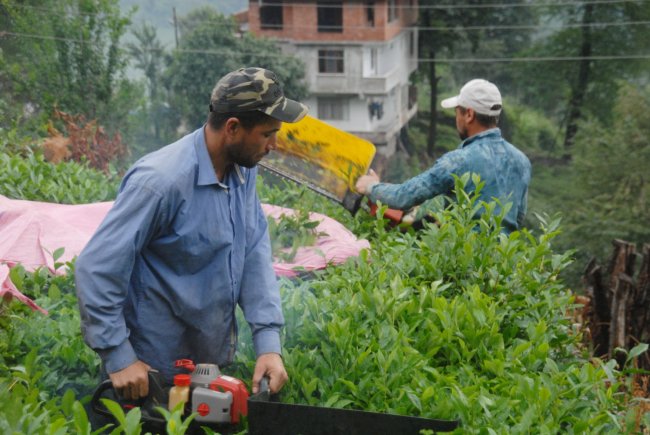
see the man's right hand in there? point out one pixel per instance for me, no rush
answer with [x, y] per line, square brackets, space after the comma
[132, 382]
[365, 182]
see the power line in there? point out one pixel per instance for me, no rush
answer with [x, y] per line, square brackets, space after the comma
[416, 7]
[421, 60]
[470, 28]
[486, 27]
[537, 59]
[535, 26]
[477, 60]
[47, 37]
[534, 4]
[442, 28]
[59, 12]
[346, 5]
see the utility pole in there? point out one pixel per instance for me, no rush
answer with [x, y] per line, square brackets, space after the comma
[175, 26]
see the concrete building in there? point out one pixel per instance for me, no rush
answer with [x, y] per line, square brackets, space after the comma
[358, 55]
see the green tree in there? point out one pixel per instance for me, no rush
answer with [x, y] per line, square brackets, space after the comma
[463, 30]
[604, 43]
[611, 170]
[67, 54]
[148, 55]
[210, 48]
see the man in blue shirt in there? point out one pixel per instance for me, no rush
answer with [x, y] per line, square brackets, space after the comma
[504, 169]
[185, 242]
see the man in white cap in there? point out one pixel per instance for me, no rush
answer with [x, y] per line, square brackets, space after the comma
[503, 168]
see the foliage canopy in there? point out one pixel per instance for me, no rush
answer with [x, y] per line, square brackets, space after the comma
[209, 49]
[67, 54]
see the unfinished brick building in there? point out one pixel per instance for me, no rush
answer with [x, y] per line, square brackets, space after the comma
[358, 55]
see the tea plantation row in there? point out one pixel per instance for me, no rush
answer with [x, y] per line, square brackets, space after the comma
[453, 322]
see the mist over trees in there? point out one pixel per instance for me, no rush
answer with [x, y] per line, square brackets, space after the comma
[570, 74]
[210, 48]
[445, 322]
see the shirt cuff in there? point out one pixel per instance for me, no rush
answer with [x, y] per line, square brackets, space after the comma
[118, 357]
[267, 341]
[369, 191]
[370, 186]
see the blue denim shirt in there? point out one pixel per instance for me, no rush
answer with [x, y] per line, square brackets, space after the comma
[504, 169]
[162, 276]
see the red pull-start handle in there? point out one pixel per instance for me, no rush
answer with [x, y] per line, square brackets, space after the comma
[185, 363]
[395, 216]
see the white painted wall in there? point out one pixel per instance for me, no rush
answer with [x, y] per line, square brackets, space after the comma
[360, 83]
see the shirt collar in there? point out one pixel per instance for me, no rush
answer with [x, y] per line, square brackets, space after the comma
[491, 132]
[207, 174]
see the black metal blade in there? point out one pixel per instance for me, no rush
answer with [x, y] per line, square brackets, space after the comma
[276, 418]
[351, 201]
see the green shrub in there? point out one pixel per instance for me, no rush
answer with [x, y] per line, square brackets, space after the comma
[32, 178]
[68, 362]
[23, 410]
[603, 192]
[455, 321]
[44, 363]
[533, 132]
[451, 322]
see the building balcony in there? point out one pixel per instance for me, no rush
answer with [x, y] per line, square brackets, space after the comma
[357, 84]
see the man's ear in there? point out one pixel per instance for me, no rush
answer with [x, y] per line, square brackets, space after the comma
[232, 126]
[470, 115]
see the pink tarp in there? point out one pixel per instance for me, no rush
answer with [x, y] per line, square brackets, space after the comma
[31, 231]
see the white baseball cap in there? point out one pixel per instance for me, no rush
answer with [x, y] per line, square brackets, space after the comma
[478, 94]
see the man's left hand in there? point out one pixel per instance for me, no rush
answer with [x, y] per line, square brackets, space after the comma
[271, 365]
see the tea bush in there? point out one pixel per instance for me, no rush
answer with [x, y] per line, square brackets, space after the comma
[456, 321]
[44, 363]
[24, 174]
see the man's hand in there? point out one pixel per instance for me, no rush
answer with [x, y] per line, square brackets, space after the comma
[271, 365]
[365, 182]
[132, 382]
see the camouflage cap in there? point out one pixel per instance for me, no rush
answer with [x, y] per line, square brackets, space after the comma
[254, 89]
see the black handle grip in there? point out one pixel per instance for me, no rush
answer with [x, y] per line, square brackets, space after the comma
[99, 391]
[155, 398]
[264, 385]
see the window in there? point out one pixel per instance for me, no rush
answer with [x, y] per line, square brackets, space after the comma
[333, 108]
[392, 10]
[271, 15]
[330, 61]
[330, 16]
[373, 60]
[370, 13]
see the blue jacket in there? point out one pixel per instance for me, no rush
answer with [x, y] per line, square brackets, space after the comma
[504, 169]
[163, 274]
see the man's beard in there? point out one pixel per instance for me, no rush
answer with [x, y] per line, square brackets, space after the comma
[463, 134]
[247, 162]
[241, 159]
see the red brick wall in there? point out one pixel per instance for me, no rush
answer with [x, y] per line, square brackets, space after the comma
[300, 21]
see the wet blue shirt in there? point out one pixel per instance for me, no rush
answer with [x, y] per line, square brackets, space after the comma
[504, 169]
[162, 276]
